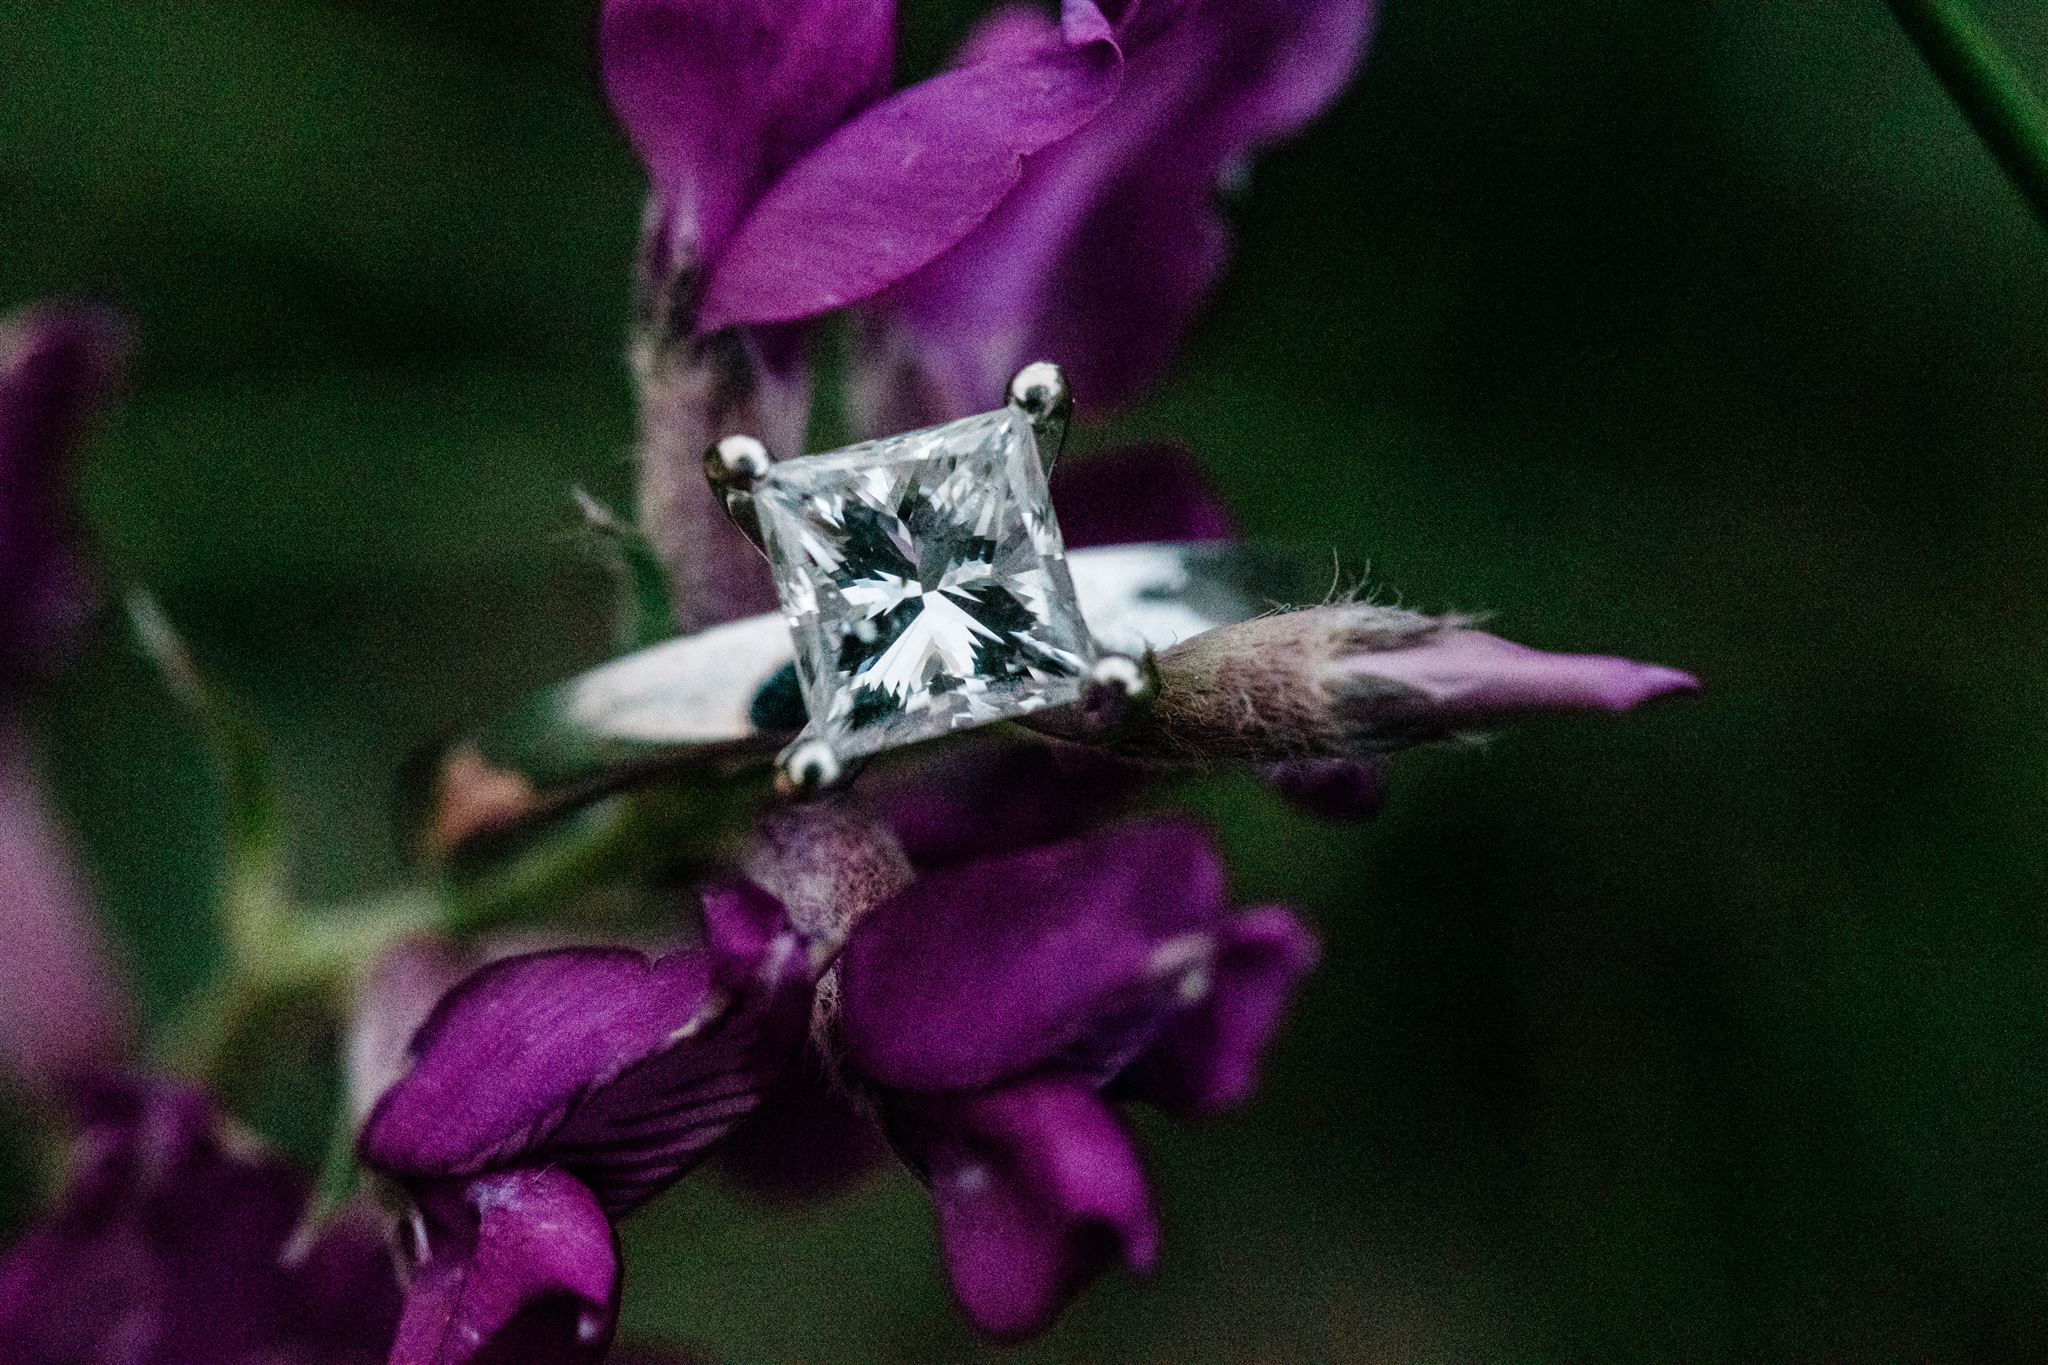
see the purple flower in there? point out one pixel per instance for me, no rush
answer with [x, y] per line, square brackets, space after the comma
[786, 182]
[168, 1249]
[1100, 258]
[56, 366]
[553, 1092]
[996, 1011]
[64, 1011]
[65, 1015]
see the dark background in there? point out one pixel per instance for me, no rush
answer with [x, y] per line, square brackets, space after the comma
[1701, 332]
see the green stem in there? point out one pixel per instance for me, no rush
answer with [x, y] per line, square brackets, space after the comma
[305, 959]
[1987, 86]
[690, 821]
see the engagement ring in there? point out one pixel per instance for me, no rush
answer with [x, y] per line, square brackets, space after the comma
[925, 590]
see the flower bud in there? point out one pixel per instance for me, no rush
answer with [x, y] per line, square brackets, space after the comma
[1352, 679]
[829, 862]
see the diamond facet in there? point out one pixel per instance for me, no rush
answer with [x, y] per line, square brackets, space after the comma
[925, 582]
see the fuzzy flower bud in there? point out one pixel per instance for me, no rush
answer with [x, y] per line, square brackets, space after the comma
[829, 862]
[1354, 679]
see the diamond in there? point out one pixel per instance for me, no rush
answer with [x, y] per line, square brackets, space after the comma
[925, 582]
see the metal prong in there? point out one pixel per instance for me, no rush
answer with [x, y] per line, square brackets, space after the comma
[1124, 674]
[733, 467]
[1118, 684]
[809, 768]
[1040, 392]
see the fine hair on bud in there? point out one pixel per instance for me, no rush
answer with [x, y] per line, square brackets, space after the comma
[1280, 688]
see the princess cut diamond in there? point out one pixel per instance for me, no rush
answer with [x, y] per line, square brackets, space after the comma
[925, 582]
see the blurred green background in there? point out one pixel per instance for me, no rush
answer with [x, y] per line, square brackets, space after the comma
[1701, 332]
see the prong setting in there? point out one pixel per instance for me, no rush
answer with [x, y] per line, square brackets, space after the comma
[1118, 686]
[733, 467]
[809, 767]
[737, 462]
[1040, 392]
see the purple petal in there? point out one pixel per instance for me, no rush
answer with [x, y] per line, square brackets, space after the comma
[745, 933]
[1207, 1059]
[984, 797]
[622, 1070]
[1136, 494]
[1457, 677]
[1101, 257]
[1336, 789]
[528, 1271]
[499, 1062]
[64, 1008]
[894, 189]
[1037, 1189]
[57, 365]
[982, 971]
[1016, 33]
[720, 97]
[167, 1246]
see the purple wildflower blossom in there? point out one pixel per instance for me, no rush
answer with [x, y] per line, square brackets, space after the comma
[64, 1011]
[552, 1093]
[168, 1249]
[65, 1015]
[787, 181]
[996, 1011]
[1101, 257]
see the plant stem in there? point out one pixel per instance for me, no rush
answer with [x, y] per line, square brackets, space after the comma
[1987, 86]
[309, 959]
[685, 822]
